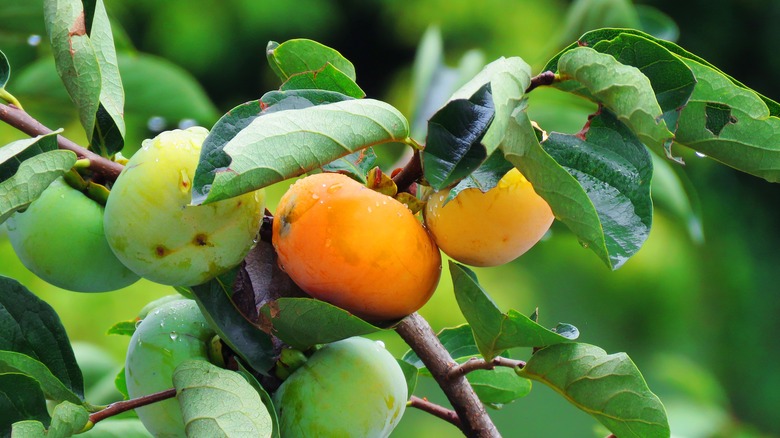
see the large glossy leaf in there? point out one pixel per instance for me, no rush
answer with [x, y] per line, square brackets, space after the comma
[623, 89]
[288, 143]
[326, 78]
[28, 325]
[301, 55]
[615, 171]
[241, 335]
[453, 147]
[86, 62]
[213, 157]
[53, 388]
[299, 322]
[495, 332]
[608, 387]
[219, 402]
[21, 398]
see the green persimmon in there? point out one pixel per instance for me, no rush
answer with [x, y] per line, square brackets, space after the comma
[169, 335]
[349, 388]
[60, 238]
[154, 230]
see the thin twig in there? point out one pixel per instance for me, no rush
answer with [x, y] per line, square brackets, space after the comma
[476, 363]
[543, 78]
[436, 410]
[418, 334]
[126, 405]
[24, 122]
[410, 173]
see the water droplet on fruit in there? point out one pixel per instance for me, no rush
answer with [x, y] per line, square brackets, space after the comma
[369, 209]
[328, 242]
[156, 124]
[34, 40]
[187, 123]
[700, 155]
[315, 196]
[162, 323]
[381, 344]
[334, 188]
[137, 323]
[174, 336]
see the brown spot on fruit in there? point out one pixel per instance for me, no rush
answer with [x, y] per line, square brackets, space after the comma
[201, 239]
[161, 251]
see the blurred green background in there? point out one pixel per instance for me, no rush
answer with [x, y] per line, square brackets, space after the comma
[696, 308]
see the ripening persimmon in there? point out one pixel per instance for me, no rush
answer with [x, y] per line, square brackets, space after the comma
[489, 228]
[355, 248]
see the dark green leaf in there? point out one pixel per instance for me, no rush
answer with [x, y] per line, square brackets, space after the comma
[264, 396]
[485, 177]
[495, 332]
[623, 89]
[498, 386]
[615, 170]
[453, 147]
[29, 326]
[214, 159]
[458, 341]
[21, 398]
[14, 154]
[219, 402]
[285, 144]
[657, 23]
[301, 55]
[53, 388]
[5, 70]
[241, 335]
[411, 373]
[28, 429]
[608, 387]
[67, 420]
[355, 165]
[326, 78]
[120, 382]
[299, 322]
[584, 15]
[126, 328]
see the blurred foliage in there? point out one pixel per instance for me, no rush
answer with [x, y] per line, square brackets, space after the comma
[698, 318]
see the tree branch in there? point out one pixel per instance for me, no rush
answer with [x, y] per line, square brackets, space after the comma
[126, 405]
[445, 414]
[543, 78]
[410, 173]
[475, 422]
[476, 363]
[24, 122]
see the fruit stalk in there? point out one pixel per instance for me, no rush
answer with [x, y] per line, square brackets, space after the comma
[475, 422]
[26, 123]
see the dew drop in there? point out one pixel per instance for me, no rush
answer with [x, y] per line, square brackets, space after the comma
[370, 210]
[315, 196]
[381, 344]
[34, 40]
[156, 124]
[174, 336]
[328, 242]
[162, 323]
[700, 155]
[137, 323]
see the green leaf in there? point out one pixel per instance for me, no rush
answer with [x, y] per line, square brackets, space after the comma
[608, 387]
[29, 326]
[214, 159]
[218, 402]
[21, 398]
[657, 23]
[299, 322]
[53, 388]
[485, 177]
[458, 341]
[355, 165]
[498, 386]
[301, 55]
[5, 70]
[289, 143]
[585, 15]
[246, 339]
[86, 63]
[411, 373]
[326, 78]
[264, 396]
[117, 428]
[730, 124]
[453, 147]
[67, 420]
[495, 332]
[14, 154]
[622, 89]
[674, 193]
[615, 170]
[126, 328]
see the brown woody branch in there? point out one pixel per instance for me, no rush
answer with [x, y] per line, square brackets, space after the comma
[543, 78]
[126, 405]
[476, 363]
[24, 122]
[445, 414]
[410, 173]
[475, 422]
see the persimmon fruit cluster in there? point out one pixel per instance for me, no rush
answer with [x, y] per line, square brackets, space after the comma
[355, 248]
[489, 228]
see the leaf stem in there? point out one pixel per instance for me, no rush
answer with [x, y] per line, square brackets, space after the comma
[126, 405]
[19, 119]
[410, 173]
[418, 334]
[439, 411]
[543, 78]
[10, 98]
[476, 363]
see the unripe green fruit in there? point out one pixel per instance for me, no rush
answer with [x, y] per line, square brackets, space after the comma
[350, 388]
[170, 334]
[154, 230]
[60, 239]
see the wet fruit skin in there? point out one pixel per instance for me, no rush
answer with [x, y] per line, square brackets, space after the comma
[350, 388]
[355, 248]
[156, 233]
[490, 228]
[60, 239]
[168, 335]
